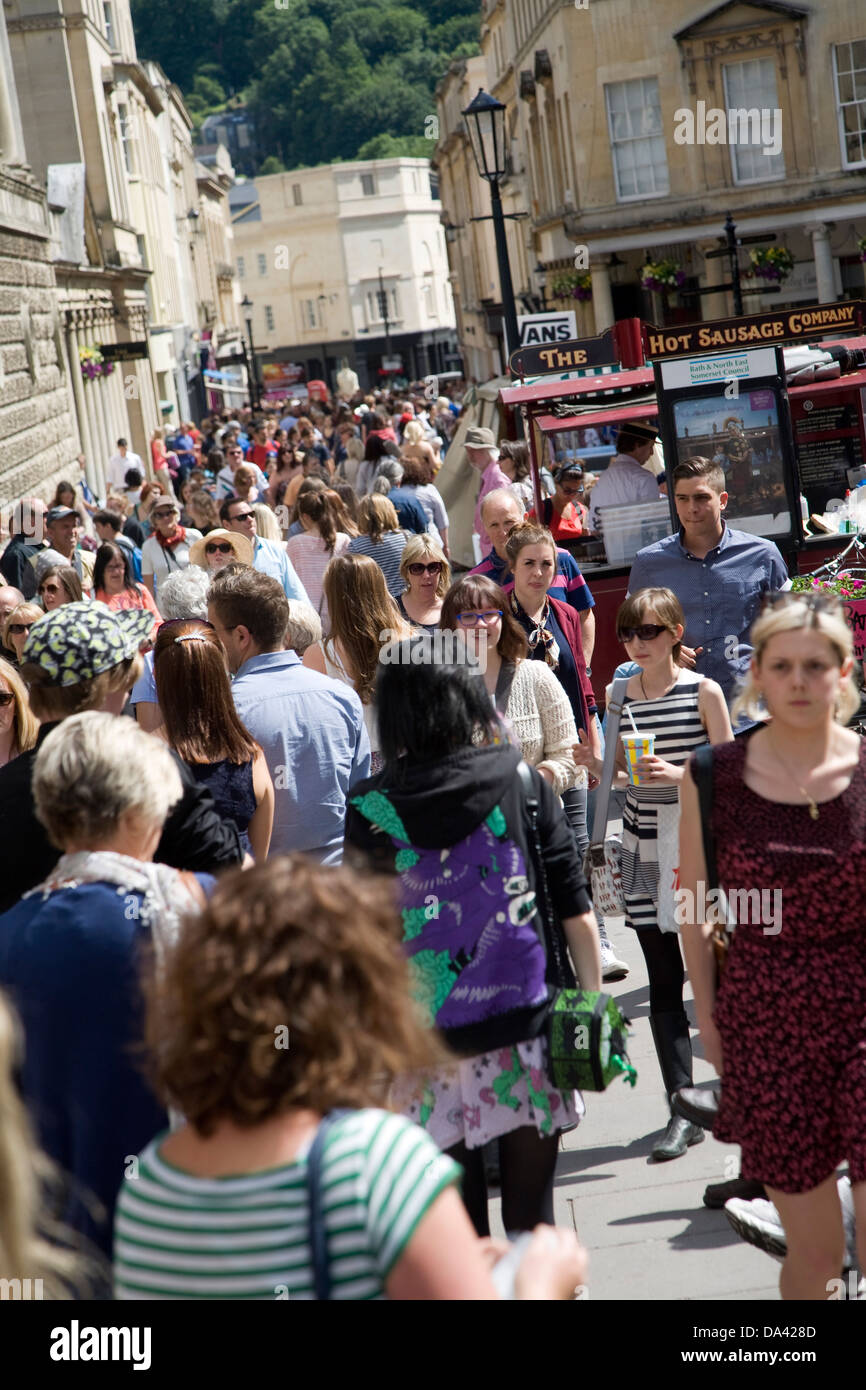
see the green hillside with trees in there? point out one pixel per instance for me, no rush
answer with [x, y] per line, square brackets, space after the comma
[325, 80]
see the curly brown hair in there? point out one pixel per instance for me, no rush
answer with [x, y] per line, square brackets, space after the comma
[286, 945]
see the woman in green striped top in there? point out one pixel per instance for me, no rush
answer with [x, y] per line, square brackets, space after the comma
[287, 998]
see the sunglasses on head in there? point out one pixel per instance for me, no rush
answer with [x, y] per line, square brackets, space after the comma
[647, 632]
[6, 698]
[218, 548]
[819, 600]
[435, 567]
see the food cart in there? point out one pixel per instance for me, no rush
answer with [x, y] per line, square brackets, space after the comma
[787, 449]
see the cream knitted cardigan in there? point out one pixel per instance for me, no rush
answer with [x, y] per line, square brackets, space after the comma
[540, 714]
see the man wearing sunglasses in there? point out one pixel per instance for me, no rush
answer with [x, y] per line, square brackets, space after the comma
[718, 574]
[269, 557]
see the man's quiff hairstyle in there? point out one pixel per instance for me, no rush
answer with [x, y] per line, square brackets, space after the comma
[255, 601]
[95, 768]
[708, 472]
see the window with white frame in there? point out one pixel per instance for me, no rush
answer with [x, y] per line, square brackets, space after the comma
[125, 128]
[308, 313]
[269, 318]
[634, 119]
[108, 19]
[750, 89]
[368, 185]
[241, 268]
[262, 262]
[849, 67]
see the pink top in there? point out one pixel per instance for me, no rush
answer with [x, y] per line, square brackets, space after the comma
[491, 478]
[310, 557]
[143, 598]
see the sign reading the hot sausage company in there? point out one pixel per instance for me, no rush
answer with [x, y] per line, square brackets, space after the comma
[779, 326]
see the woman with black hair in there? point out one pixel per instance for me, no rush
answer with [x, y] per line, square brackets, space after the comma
[447, 812]
[115, 586]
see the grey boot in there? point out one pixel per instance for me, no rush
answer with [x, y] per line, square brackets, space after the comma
[674, 1050]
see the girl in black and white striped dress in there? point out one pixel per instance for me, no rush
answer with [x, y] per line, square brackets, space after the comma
[683, 710]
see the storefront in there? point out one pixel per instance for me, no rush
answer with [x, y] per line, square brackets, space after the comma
[714, 389]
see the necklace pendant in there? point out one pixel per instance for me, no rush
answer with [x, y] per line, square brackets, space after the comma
[813, 811]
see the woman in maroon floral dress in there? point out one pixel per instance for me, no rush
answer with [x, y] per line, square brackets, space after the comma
[787, 1031]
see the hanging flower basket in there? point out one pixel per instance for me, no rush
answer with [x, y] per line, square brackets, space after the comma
[93, 364]
[662, 275]
[861, 247]
[771, 262]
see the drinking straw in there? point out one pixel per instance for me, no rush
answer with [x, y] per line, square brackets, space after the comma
[631, 717]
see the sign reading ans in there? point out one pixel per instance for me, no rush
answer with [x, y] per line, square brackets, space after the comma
[566, 356]
[781, 326]
[123, 352]
[540, 329]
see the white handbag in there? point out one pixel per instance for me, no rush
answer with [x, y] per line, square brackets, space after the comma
[603, 861]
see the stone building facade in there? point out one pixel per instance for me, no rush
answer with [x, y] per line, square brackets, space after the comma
[38, 439]
[621, 151]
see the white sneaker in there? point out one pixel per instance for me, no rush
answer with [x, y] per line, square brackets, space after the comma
[758, 1223]
[612, 968]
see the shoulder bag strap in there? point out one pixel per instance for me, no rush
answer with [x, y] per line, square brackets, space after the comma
[704, 782]
[602, 800]
[318, 1233]
[552, 931]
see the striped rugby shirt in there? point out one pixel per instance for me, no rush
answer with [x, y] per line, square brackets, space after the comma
[177, 1236]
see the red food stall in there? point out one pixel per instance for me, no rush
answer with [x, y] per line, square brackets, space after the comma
[818, 429]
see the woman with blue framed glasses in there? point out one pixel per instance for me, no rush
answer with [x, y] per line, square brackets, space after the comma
[526, 692]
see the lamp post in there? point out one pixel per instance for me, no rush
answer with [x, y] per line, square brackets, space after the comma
[541, 280]
[485, 121]
[383, 310]
[247, 306]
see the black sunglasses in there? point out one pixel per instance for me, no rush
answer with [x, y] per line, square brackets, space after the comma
[6, 698]
[17, 629]
[434, 567]
[647, 632]
[241, 516]
[218, 548]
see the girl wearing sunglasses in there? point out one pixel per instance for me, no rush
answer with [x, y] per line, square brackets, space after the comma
[682, 710]
[427, 574]
[18, 725]
[219, 548]
[564, 514]
[17, 627]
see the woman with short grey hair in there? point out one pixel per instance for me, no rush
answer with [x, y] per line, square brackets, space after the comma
[71, 952]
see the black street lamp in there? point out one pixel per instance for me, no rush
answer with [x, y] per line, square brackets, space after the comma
[255, 399]
[383, 310]
[485, 121]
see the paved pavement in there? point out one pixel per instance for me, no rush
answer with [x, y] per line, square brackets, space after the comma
[649, 1234]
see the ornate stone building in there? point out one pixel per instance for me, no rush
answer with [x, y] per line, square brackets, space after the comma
[625, 146]
[37, 434]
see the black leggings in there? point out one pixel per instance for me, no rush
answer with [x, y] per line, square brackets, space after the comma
[527, 1163]
[664, 965]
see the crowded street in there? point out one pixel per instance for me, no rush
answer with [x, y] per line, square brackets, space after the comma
[432, 681]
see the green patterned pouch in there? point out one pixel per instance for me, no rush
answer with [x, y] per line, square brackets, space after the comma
[586, 1041]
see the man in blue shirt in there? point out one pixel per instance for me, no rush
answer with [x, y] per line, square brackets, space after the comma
[311, 728]
[719, 575]
[269, 557]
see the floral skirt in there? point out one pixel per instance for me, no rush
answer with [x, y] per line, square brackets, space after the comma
[480, 1098]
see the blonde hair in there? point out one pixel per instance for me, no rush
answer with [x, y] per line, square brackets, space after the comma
[25, 1253]
[376, 516]
[792, 614]
[413, 433]
[267, 525]
[26, 723]
[417, 548]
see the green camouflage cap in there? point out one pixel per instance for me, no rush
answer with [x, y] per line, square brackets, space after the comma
[78, 641]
